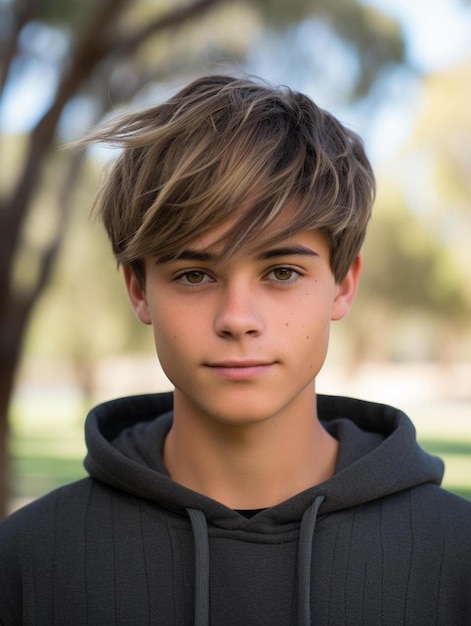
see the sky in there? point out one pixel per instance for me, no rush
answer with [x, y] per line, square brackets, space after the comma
[438, 32]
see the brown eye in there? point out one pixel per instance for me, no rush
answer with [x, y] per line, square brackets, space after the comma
[283, 273]
[194, 277]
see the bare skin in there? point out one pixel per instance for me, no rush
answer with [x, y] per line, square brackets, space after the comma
[250, 467]
[243, 342]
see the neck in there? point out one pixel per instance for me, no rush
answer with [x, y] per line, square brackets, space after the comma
[249, 466]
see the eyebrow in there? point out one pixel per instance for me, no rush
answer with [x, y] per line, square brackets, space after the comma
[293, 250]
[273, 253]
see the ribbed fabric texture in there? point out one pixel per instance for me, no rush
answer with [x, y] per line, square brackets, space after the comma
[122, 562]
[92, 553]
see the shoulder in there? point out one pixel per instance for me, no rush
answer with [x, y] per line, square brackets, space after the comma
[31, 536]
[431, 524]
[455, 515]
[57, 521]
[433, 500]
[430, 506]
[440, 523]
[54, 519]
[37, 516]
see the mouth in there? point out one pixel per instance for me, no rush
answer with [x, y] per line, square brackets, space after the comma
[241, 370]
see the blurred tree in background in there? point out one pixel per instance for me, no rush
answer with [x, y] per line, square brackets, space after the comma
[82, 60]
[416, 281]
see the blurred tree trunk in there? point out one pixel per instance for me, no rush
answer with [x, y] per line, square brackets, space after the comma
[100, 40]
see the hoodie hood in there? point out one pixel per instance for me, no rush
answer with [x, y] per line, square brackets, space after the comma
[378, 456]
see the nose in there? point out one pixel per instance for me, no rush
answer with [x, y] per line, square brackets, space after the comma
[238, 314]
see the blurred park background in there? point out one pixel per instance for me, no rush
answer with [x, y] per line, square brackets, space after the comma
[397, 71]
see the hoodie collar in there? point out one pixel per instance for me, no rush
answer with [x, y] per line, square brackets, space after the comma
[378, 456]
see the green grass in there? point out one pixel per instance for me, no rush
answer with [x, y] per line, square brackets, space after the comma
[36, 475]
[444, 429]
[47, 443]
[457, 457]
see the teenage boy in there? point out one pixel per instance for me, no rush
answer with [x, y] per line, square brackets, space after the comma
[237, 212]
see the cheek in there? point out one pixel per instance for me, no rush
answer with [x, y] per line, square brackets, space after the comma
[310, 317]
[170, 352]
[308, 334]
[175, 333]
[165, 330]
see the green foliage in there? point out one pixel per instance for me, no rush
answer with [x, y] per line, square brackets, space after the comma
[443, 132]
[71, 15]
[409, 267]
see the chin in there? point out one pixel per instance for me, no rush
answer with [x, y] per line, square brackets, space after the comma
[242, 415]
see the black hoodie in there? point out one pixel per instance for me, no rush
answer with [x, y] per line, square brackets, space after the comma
[378, 543]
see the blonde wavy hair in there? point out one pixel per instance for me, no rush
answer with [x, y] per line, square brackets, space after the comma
[226, 148]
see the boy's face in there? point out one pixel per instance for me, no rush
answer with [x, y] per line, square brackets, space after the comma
[243, 340]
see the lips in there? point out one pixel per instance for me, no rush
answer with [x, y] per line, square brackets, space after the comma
[241, 370]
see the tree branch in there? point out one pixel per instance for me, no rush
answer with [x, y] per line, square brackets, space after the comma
[22, 13]
[176, 17]
[91, 49]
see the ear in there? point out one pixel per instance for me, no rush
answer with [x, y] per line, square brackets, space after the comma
[137, 295]
[346, 290]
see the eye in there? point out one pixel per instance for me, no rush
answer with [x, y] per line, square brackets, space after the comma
[193, 278]
[283, 273]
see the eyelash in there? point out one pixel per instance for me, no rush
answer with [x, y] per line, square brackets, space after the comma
[295, 275]
[182, 277]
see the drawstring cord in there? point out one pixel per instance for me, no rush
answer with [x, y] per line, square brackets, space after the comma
[306, 535]
[200, 534]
